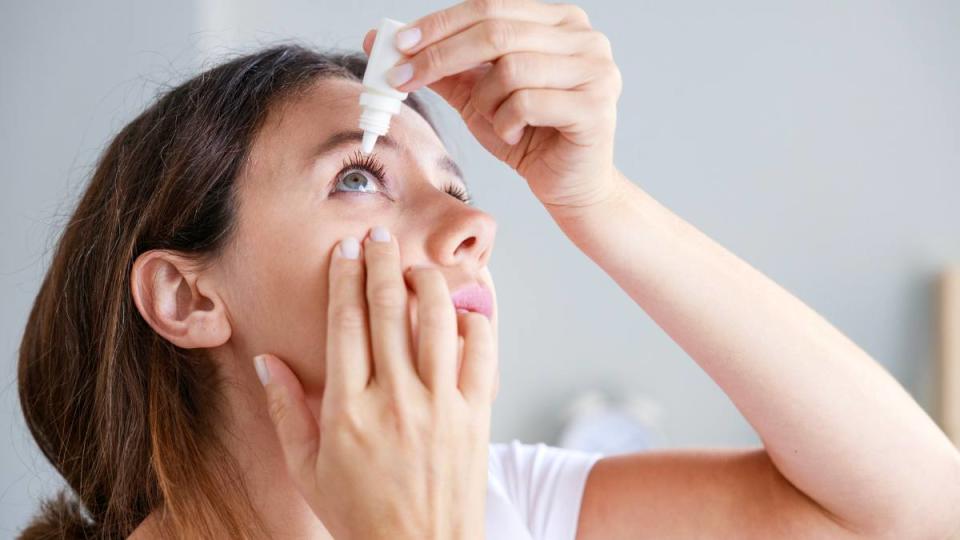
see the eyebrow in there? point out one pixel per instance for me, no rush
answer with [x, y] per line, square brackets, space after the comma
[355, 136]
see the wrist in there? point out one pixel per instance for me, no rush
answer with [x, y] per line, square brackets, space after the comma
[602, 204]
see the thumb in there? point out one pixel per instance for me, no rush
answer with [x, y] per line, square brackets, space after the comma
[293, 421]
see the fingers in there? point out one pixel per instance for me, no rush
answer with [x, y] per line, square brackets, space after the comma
[293, 421]
[448, 87]
[436, 328]
[442, 24]
[368, 317]
[546, 107]
[478, 372]
[486, 42]
[530, 70]
[348, 366]
[386, 294]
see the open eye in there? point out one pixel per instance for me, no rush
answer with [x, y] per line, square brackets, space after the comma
[364, 173]
[358, 180]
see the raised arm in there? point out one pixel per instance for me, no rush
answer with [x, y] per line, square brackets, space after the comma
[845, 447]
[847, 450]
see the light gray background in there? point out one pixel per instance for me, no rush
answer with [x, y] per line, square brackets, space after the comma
[818, 140]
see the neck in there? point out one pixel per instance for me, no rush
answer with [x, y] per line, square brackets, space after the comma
[249, 437]
[252, 441]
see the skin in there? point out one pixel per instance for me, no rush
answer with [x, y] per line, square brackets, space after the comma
[279, 273]
[846, 451]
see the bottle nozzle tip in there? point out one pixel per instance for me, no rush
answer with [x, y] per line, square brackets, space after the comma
[369, 139]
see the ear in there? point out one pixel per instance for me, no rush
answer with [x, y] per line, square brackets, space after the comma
[178, 301]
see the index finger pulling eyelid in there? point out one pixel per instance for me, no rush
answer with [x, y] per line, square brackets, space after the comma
[347, 350]
[447, 22]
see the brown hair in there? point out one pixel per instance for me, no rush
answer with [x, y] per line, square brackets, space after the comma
[125, 416]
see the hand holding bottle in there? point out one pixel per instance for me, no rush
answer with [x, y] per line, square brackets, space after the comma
[535, 84]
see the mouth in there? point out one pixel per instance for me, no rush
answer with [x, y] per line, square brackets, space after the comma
[473, 297]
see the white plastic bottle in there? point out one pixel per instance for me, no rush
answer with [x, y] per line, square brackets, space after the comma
[379, 100]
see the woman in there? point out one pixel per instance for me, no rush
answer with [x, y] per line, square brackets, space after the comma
[234, 219]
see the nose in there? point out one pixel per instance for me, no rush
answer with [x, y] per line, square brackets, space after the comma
[461, 237]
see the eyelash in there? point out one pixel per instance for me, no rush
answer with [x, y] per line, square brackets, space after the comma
[369, 163]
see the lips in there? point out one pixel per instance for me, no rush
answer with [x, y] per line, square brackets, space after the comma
[473, 297]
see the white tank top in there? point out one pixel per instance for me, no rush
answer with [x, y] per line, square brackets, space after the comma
[534, 491]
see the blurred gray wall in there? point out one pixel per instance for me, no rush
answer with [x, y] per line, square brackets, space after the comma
[820, 141]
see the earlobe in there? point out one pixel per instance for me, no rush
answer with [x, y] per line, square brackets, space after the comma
[166, 289]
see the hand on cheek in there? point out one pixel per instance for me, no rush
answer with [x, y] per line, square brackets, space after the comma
[399, 423]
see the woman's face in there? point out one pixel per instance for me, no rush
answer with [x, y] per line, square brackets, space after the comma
[299, 196]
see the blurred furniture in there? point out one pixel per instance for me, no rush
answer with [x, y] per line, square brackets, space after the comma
[949, 352]
[598, 422]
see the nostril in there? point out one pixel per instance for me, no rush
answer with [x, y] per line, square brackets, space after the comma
[469, 242]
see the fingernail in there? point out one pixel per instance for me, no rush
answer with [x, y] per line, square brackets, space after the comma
[399, 74]
[350, 248]
[514, 138]
[408, 37]
[380, 234]
[260, 364]
[365, 36]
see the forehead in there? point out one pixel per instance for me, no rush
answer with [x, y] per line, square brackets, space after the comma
[330, 106]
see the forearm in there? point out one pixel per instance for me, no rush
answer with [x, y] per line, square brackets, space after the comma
[836, 424]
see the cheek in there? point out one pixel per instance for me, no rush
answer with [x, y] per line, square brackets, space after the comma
[282, 257]
[278, 305]
[296, 291]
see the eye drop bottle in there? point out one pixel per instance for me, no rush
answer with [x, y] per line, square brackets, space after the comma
[380, 101]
